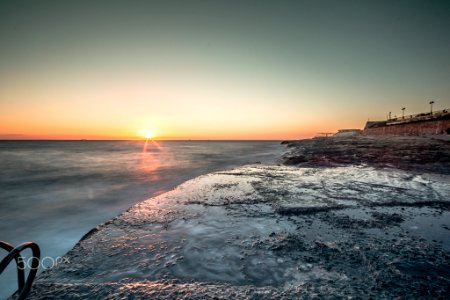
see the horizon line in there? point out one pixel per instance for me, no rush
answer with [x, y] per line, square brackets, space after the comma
[144, 140]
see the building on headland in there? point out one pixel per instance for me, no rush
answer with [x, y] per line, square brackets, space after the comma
[340, 133]
[348, 132]
[420, 124]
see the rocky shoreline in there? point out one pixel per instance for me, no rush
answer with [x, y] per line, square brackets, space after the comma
[343, 218]
[410, 153]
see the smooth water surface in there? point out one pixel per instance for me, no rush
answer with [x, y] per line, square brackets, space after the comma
[53, 192]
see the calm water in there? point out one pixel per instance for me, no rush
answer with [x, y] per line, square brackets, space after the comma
[53, 192]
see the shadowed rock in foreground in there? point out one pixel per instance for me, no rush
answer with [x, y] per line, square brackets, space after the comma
[414, 153]
[265, 232]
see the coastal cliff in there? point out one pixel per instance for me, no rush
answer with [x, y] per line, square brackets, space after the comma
[343, 222]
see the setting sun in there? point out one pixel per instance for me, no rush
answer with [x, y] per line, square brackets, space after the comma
[147, 133]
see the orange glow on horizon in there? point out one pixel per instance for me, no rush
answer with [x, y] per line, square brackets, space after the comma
[148, 134]
[296, 132]
[198, 121]
[130, 109]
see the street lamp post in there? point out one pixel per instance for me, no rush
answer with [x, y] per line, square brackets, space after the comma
[431, 107]
[403, 112]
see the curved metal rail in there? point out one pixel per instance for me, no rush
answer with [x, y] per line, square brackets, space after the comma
[14, 253]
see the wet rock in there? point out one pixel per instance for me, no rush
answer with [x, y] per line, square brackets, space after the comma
[270, 232]
[295, 160]
[289, 243]
[387, 219]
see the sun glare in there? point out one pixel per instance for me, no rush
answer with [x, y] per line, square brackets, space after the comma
[148, 134]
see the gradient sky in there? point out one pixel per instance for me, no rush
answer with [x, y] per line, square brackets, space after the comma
[217, 69]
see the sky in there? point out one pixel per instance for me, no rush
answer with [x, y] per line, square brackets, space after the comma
[217, 69]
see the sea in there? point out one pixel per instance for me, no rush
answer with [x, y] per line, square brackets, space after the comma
[53, 192]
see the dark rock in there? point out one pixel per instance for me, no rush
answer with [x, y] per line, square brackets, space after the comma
[295, 160]
[402, 152]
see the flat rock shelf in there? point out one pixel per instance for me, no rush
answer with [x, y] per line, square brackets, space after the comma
[265, 232]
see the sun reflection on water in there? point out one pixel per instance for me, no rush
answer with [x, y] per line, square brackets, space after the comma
[150, 159]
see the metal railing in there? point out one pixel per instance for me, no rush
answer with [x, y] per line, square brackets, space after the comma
[14, 254]
[420, 116]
